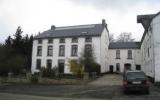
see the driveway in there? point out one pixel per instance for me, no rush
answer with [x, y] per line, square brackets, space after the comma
[108, 80]
[107, 87]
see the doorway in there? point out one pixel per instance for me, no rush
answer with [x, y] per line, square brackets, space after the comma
[61, 66]
[111, 68]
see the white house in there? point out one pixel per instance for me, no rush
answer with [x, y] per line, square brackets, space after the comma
[55, 46]
[124, 56]
[150, 45]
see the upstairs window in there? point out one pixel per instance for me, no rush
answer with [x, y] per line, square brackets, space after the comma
[61, 50]
[88, 39]
[62, 40]
[74, 40]
[39, 51]
[129, 54]
[50, 51]
[74, 50]
[117, 54]
[50, 40]
[39, 41]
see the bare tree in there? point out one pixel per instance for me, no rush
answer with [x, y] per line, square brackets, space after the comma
[111, 37]
[125, 37]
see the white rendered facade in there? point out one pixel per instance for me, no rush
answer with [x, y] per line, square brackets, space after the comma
[99, 44]
[150, 49]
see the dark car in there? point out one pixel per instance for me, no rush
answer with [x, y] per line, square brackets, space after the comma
[135, 81]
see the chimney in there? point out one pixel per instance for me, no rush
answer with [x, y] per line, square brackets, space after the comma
[103, 22]
[53, 27]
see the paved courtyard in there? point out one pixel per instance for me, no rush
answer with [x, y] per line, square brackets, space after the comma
[108, 80]
[108, 87]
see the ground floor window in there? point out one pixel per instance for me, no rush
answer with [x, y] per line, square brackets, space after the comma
[49, 63]
[138, 67]
[127, 66]
[38, 64]
[117, 67]
[61, 66]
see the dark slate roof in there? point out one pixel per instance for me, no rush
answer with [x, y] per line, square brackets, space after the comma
[124, 45]
[73, 31]
[145, 20]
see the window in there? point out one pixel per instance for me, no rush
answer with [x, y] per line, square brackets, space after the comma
[138, 67]
[118, 67]
[117, 54]
[61, 50]
[88, 39]
[38, 64]
[49, 64]
[39, 51]
[129, 54]
[50, 40]
[88, 49]
[74, 40]
[148, 52]
[74, 50]
[62, 40]
[50, 51]
[39, 41]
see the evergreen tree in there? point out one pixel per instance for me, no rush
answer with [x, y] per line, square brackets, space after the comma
[8, 41]
[18, 41]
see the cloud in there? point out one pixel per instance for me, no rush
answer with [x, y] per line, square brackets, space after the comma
[39, 15]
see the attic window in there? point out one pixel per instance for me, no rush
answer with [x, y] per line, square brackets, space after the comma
[62, 40]
[88, 39]
[39, 41]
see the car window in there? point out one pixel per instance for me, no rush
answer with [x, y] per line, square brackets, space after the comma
[135, 75]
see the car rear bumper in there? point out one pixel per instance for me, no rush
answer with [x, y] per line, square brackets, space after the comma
[137, 87]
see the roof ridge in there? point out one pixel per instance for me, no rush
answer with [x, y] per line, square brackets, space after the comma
[76, 26]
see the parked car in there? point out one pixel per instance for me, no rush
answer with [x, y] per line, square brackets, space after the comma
[135, 81]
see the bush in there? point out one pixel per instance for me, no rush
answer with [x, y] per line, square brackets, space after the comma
[75, 67]
[34, 79]
[48, 72]
[95, 68]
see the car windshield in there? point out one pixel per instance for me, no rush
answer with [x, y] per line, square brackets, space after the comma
[135, 75]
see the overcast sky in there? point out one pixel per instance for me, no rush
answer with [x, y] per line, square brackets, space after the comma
[38, 15]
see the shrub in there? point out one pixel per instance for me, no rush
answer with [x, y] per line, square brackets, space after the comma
[34, 79]
[48, 72]
[75, 67]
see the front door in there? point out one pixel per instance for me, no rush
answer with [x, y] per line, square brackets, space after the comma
[61, 66]
[111, 68]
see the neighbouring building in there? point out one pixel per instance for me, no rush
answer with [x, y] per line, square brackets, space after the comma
[150, 45]
[57, 45]
[124, 56]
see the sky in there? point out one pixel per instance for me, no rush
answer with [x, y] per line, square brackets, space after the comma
[38, 15]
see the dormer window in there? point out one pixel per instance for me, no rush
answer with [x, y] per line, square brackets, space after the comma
[62, 40]
[88, 39]
[39, 41]
[84, 32]
[75, 40]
